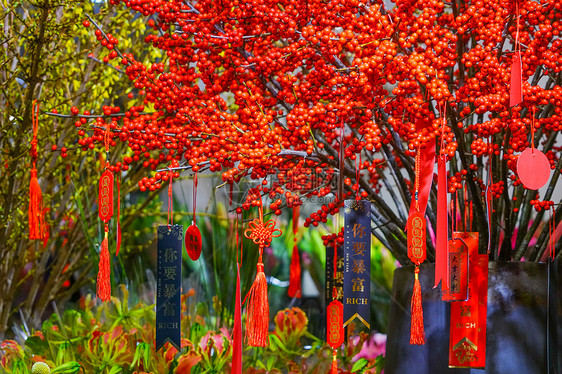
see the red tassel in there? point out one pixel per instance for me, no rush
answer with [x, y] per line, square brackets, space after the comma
[237, 330]
[257, 321]
[417, 333]
[295, 274]
[104, 272]
[334, 362]
[35, 213]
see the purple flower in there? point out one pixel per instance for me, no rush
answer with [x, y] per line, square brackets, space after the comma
[372, 348]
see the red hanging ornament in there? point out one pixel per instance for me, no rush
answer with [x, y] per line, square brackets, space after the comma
[37, 227]
[193, 242]
[416, 241]
[105, 212]
[257, 321]
[533, 167]
[295, 267]
[334, 319]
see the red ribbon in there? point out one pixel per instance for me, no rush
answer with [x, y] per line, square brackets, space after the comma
[427, 161]
[442, 225]
[237, 330]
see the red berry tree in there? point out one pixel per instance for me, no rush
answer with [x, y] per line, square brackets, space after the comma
[334, 98]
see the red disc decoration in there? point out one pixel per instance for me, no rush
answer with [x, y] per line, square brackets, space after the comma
[105, 210]
[193, 242]
[416, 237]
[533, 168]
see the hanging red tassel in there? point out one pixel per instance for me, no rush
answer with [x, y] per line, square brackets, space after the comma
[334, 362]
[295, 289]
[417, 332]
[37, 229]
[257, 323]
[237, 330]
[35, 214]
[104, 280]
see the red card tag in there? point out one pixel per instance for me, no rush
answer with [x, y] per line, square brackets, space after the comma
[533, 168]
[105, 199]
[193, 242]
[467, 340]
[334, 321]
[457, 272]
[416, 237]
[516, 87]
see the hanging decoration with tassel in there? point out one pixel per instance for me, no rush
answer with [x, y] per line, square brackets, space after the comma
[37, 226]
[334, 312]
[416, 228]
[295, 267]
[105, 212]
[257, 320]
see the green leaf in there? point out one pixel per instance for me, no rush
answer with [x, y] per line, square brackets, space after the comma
[359, 365]
[37, 345]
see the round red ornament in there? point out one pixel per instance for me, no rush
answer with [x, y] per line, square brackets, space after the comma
[533, 168]
[193, 242]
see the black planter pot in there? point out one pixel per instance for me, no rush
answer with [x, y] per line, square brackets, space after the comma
[516, 326]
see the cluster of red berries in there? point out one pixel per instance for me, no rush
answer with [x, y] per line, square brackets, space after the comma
[540, 205]
[245, 81]
[333, 240]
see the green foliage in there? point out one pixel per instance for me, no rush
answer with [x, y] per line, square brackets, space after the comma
[48, 56]
[97, 338]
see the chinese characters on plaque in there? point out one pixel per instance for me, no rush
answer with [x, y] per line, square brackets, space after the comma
[334, 280]
[357, 262]
[168, 304]
[467, 339]
[457, 272]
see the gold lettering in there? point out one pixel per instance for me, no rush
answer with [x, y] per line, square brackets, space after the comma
[358, 285]
[358, 267]
[359, 248]
[356, 301]
[358, 230]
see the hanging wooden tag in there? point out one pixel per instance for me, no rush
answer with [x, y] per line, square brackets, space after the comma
[458, 272]
[193, 242]
[416, 228]
[105, 198]
[168, 286]
[533, 168]
[357, 265]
